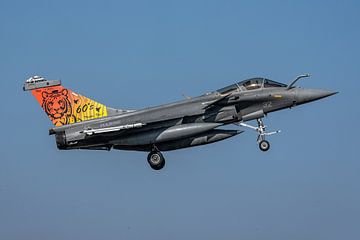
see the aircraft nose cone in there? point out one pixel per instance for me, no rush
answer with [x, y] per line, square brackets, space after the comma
[309, 95]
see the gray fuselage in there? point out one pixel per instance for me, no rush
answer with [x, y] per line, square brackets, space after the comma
[186, 123]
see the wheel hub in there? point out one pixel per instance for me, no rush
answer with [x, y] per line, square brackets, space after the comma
[155, 158]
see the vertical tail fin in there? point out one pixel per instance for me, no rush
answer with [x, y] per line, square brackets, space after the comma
[62, 105]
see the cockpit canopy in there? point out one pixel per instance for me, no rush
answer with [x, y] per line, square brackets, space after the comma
[251, 84]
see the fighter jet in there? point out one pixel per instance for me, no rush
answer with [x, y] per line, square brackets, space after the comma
[82, 123]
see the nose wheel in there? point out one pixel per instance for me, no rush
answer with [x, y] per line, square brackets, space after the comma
[156, 160]
[264, 145]
[260, 129]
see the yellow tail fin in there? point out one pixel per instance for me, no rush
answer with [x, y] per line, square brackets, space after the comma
[62, 105]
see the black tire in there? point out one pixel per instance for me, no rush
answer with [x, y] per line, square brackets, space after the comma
[156, 160]
[264, 145]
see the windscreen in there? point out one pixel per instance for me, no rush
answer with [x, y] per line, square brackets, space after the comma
[251, 84]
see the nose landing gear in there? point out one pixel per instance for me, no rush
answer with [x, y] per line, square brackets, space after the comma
[263, 144]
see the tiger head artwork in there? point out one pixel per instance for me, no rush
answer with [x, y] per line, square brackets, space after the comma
[63, 106]
[57, 106]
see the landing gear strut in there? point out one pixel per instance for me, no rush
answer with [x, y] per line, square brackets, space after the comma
[263, 144]
[156, 159]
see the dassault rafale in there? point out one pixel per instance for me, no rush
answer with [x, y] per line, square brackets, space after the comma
[82, 123]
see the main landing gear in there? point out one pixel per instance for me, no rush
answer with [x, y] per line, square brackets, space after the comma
[156, 159]
[263, 144]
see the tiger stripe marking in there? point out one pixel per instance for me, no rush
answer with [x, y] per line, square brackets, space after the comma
[63, 106]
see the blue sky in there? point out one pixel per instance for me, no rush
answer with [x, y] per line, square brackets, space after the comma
[137, 54]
